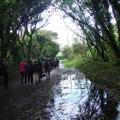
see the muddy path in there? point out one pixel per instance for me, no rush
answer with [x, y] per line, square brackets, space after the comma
[68, 95]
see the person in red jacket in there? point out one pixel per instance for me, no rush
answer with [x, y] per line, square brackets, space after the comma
[22, 71]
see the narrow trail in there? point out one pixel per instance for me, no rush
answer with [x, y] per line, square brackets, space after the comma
[17, 99]
[68, 95]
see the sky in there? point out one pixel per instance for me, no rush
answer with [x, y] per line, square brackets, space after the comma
[56, 23]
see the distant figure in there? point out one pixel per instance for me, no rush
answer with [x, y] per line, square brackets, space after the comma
[46, 67]
[52, 63]
[40, 71]
[56, 62]
[35, 69]
[29, 72]
[4, 66]
[22, 71]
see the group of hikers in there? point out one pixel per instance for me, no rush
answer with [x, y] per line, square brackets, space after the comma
[41, 68]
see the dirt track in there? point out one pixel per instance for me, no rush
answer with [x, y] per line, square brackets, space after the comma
[66, 96]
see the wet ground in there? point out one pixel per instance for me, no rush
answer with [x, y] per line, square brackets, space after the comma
[68, 95]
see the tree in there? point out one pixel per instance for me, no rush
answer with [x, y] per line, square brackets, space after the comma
[95, 19]
[14, 15]
[67, 52]
[47, 43]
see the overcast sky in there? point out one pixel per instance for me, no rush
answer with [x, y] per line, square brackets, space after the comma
[57, 24]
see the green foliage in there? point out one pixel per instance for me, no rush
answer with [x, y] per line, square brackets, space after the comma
[95, 19]
[50, 49]
[43, 44]
[16, 16]
[74, 62]
[78, 49]
[44, 35]
[67, 52]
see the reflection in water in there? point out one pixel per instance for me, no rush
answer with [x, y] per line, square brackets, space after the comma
[99, 106]
[76, 98]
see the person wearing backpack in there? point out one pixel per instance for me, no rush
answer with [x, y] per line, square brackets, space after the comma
[46, 68]
[29, 72]
[39, 70]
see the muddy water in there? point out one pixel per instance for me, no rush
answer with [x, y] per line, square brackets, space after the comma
[68, 95]
[75, 98]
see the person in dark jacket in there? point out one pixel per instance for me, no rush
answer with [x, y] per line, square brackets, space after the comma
[29, 72]
[35, 70]
[57, 62]
[4, 68]
[40, 71]
[46, 68]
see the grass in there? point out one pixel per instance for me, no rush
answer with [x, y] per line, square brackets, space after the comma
[105, 74]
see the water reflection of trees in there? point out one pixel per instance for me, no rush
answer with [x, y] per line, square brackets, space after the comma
[99, 106]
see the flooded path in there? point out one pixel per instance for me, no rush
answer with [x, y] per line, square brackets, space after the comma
[68, 95]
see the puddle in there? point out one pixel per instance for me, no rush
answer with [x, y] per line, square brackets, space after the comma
[68, 95]
[76, 98]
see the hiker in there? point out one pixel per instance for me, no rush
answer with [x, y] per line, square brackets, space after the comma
[56, 63]
[4, 66]
[29, 72]
[51, 62]
[35, 69]
[22, 71]
[46, 67]
[40, 71]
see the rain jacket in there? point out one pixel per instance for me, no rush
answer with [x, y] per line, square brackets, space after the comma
[22, 66]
